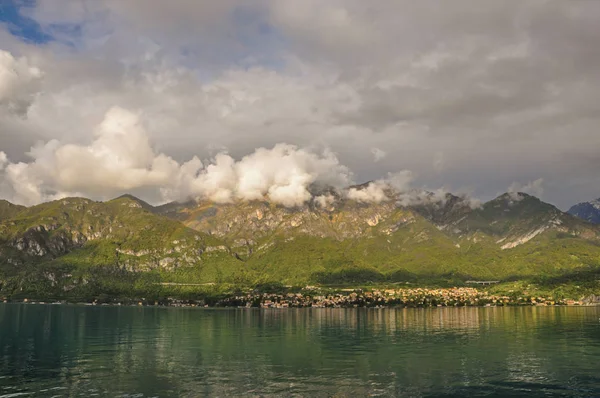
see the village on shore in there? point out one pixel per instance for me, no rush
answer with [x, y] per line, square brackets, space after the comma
[314, 297]
[407, 298]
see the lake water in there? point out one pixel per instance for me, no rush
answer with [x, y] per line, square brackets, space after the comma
[85, 351]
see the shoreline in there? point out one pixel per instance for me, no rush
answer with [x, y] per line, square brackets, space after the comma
[355, 298]
[201, 306]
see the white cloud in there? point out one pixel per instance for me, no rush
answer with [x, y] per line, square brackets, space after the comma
[384, 189]
[378, 154]
[324, 201]
[374, 192]
[19, 82]
[120, 158]
[498, 88]
[535, 188]
[283, 174]
[3, 160]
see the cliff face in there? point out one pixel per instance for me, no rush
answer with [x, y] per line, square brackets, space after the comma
[258, 220]
[40, 241]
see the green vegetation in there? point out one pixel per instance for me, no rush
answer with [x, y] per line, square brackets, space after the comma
[9, 210]
[78, 249]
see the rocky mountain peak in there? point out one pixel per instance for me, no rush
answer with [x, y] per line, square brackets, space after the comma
[132, 201]
[588, 211]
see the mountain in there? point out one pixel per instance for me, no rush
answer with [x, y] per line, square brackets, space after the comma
[76, 245]
[509, 220]
[516, 218]
[588, 211]
[445, 212]
[514, 234]
[132, 199]
[8, 210]
[72, 241]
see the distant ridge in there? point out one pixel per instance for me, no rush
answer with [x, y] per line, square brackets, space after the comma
[588, 211]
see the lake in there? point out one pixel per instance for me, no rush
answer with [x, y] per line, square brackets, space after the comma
[85, 351]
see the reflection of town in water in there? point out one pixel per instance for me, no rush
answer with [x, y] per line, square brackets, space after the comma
[421, 320]
[274, 352]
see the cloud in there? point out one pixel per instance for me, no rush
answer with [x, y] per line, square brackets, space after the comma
[384, 189]
[324, 201]
[467, 196]
[283, 174]
[120, 158]
[398, 187]
[438, 162]
[19, 83]
[378, 154]
[505, 91]
[534, 188]
[374, 192]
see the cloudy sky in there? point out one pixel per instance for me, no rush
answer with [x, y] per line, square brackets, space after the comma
[171, 99]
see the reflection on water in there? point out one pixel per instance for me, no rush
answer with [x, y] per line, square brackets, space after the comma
[52, 350]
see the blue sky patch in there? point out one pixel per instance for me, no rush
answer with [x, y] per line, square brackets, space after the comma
[20, 25]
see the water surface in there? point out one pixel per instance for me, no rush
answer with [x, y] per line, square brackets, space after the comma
[84, 351]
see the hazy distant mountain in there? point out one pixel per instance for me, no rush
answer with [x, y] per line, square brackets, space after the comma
[588, 211]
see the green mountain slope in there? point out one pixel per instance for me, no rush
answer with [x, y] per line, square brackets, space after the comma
[8, 210]
[516, 218]
[511, 236]
[70, 243]
[76, 246]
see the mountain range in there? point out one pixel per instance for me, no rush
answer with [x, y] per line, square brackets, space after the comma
[77, 245]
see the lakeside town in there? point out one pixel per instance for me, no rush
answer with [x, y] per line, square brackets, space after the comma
[314, 297]
[404, 298]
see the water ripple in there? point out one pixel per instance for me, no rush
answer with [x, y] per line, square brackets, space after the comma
[139, 352]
